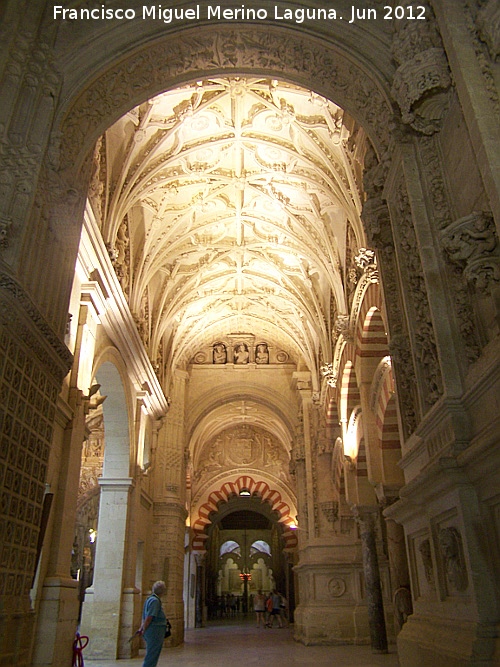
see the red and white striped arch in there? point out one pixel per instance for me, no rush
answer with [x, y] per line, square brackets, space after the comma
[372, 336]
[384, 406]
[229, 489]
[372, 299]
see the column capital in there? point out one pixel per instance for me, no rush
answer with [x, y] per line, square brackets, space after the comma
[115, 483]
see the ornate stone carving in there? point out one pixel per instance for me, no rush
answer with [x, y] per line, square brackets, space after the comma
[342, 327]
[38, 336]
[483, 30]
[488, 22]
[399, 347]
[366, 260]
[119, 254]
[471, 243]
[442, 217]
[97, 180]
[5, 223]
[328, 372]
[425, 344]
[422, 79]
[425, 552]
[244, 445]
[330, 510]
[429, 152]
[336, 587]
[452, 554]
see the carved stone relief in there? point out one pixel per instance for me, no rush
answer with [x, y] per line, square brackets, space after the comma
[442, 218]
[426, 555]
[452, 558]
[471, 243]
[482, 24]
[244, 445]
[488, 22]
[424, 339]
[422, 79]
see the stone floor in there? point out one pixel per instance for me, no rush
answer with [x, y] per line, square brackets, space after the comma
[243, 644]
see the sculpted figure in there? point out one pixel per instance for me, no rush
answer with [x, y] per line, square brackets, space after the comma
[219, 353]
[450, 546]
[261, 354]
[241, 354]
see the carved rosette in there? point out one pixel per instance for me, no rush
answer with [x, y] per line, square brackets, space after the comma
[422, 79]
[472, 244]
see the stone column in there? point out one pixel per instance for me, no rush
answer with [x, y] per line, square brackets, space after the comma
[366, 517]
[170, 507]
[199, 597]
[102, 608]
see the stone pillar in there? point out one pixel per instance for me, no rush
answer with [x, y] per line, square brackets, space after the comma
[102, 608]
[366, 518]
[331, 608]
[170, 508]
[199, 597]
[59, 602]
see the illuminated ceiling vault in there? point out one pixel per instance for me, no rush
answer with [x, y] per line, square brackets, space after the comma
[226, 208]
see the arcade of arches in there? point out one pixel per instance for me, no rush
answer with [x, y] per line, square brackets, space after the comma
[249, 311]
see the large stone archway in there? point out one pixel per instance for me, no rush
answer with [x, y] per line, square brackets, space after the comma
[417, 211]
[260, 488]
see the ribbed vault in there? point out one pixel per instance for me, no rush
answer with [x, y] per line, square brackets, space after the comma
[230, 205]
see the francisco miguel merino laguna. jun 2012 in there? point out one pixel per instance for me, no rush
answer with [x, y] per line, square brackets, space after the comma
[218, 13]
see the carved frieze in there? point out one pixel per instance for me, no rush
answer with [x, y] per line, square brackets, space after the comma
[488, 22]
[482, 25]
[442, 218]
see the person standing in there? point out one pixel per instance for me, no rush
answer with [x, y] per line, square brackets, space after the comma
[154, 623]
[275, 609]
[259, 607]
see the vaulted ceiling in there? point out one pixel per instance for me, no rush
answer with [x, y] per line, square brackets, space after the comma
[229, 206]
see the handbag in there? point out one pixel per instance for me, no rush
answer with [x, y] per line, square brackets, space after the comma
[168, 629]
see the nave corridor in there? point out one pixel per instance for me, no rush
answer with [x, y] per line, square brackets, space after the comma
[241, 643]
